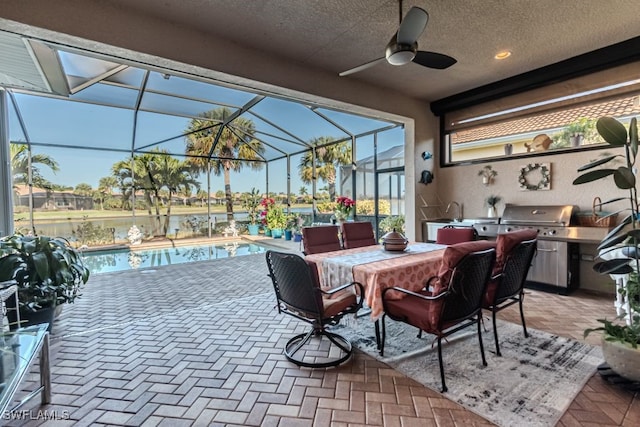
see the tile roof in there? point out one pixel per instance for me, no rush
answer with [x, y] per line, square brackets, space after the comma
[544, 122]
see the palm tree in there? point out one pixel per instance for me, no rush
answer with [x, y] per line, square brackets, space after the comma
[175, 176]
[328, 157]
[105, 188]
[121, 172]
[202, 196]
[235, 146]
[159, 176]
[142, 176]
[20, 166]
[83, 189]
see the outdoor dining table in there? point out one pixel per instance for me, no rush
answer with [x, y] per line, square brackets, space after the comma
[377, 269]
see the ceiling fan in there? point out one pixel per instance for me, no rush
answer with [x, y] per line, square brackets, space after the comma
[403, 46]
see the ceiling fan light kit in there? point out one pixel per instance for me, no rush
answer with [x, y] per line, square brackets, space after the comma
[400, 54]
[403, 46]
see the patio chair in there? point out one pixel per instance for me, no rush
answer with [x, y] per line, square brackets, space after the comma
[450, 235]
[514, 253]
[320, 239]
[454, 303]
[298, 293]
[357, 234]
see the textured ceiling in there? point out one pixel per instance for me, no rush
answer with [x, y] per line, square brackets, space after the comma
[336, 35]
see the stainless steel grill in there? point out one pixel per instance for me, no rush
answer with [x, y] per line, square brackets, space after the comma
[556, 265]
[551, 222]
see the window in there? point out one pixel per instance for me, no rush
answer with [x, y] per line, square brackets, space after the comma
[556, 118]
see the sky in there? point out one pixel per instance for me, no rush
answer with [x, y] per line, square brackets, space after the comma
[56, 122]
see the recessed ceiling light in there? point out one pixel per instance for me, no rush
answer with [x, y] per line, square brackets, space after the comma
[504, 54]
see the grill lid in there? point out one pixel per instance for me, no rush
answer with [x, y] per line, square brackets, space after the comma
[554, 216]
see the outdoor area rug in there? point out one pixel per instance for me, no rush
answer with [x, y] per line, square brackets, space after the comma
[532, 384]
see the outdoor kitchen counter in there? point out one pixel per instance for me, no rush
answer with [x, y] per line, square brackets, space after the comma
[587, 235]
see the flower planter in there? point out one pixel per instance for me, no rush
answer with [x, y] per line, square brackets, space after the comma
[623, 359]
[297, 237]
[276, 233]
[253, 229]
[27, 317]
[288, 234]
[267, 231]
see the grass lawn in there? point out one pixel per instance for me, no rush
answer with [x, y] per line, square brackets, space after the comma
[97, 213]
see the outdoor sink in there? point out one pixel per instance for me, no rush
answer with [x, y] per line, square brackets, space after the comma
[440, 220]
[464, 222]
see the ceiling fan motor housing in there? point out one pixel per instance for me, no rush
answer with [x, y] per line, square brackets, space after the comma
[401, 54]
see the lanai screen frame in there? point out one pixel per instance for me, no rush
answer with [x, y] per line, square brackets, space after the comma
[318, 110]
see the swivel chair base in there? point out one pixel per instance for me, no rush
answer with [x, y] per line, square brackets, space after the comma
[313, 359]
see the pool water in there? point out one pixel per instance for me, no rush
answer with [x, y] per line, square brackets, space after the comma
[132, 259]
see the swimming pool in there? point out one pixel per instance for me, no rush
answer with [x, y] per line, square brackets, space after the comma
[132, 259]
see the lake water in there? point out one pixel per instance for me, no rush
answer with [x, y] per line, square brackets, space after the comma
[182, 225]
[133, 259]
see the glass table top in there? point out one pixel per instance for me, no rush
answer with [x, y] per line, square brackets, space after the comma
[17, 351]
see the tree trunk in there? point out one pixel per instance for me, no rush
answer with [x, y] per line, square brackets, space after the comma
[157, 205]
[166, 220]
[227, 193]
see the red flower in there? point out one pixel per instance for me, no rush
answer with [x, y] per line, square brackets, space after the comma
[267, 202]
[345, 205]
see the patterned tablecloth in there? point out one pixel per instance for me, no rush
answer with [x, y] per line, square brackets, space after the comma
[378, 269]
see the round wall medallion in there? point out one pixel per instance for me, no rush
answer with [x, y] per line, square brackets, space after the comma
[535, 176]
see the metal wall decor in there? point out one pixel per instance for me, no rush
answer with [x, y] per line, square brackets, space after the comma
[535, 176]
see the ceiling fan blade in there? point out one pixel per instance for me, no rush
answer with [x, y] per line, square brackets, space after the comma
[434, 60]
[412, 25]
[362, 67]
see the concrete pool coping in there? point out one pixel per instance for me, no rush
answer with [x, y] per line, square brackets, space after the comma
[159, 243]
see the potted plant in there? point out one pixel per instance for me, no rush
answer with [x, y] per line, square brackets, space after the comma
[622, 335]
[344, 208]
[266, 203]
[293, 220]
[487, 173]
[491, 202]
[392, 223]
[575, 133]
[48, 272]
[251, 202]
[276, 221]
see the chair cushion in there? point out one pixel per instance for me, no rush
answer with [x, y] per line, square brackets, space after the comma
[413, 309]
[339, 302]
[452, 256]
[452, 235]
[357, 234]
[320, 239]
[505, 243]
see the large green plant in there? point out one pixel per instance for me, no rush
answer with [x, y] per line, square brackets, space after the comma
[48, 270]
[626, 235]
[276, 218]
[251, 202]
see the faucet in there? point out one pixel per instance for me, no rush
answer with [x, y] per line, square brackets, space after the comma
[458, 217]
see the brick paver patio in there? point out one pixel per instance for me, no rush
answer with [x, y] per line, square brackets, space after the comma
[200, 344]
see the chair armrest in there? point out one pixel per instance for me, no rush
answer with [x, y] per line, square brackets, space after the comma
[414, 294]
[343, 287]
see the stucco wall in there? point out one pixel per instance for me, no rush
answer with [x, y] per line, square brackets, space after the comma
[462, 184]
